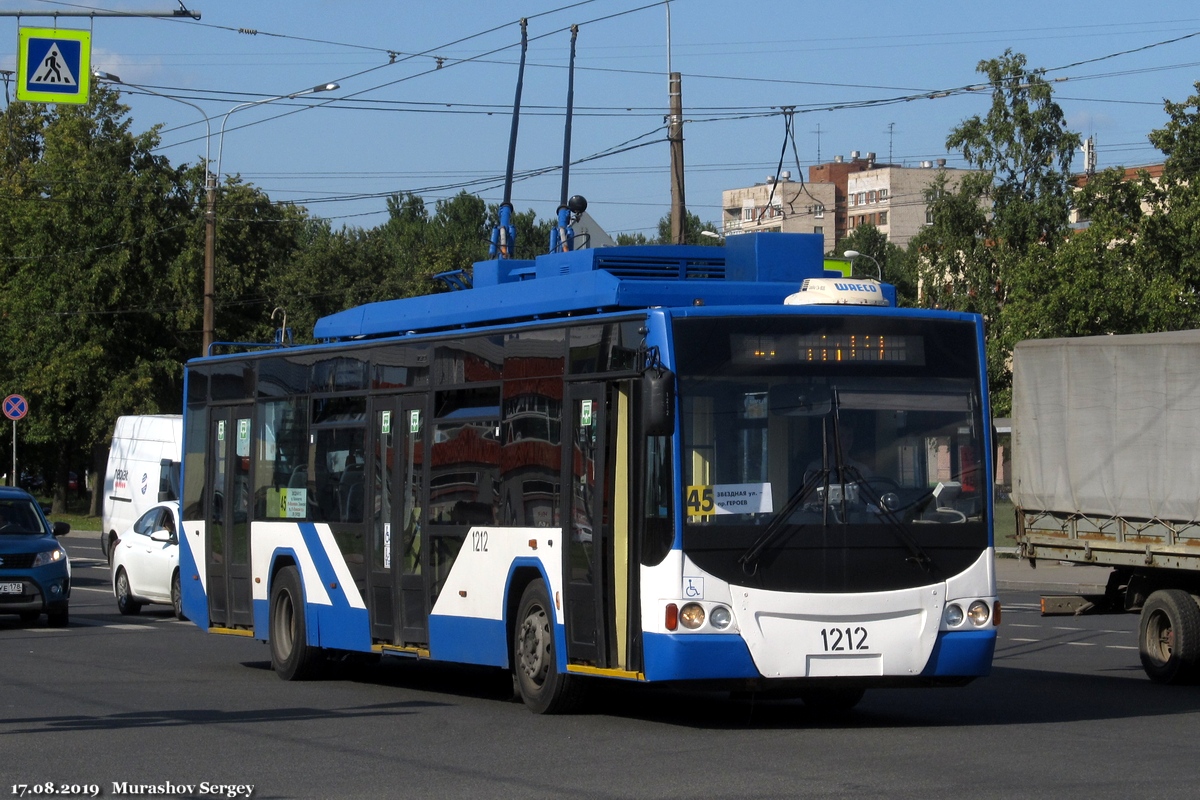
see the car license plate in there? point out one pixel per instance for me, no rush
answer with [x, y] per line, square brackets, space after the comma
[12, 588]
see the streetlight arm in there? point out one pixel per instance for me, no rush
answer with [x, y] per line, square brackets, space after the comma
[108, 77]
[323, 87]
[853, 254]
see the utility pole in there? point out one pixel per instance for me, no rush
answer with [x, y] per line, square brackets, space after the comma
[675, 136]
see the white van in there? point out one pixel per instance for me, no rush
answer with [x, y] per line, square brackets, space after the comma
[143, 469]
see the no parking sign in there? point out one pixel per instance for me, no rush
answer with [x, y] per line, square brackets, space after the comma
[15, 407]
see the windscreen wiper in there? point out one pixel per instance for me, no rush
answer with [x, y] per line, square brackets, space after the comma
[917, 554]
[772, 530]
[749, 558]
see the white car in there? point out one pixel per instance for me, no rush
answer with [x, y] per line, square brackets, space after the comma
[145, 561]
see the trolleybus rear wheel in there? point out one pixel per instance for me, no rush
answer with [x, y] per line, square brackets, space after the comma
[292, 657]
[1169, 637]
[535, 658]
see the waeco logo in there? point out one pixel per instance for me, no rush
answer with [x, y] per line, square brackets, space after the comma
[857, 287]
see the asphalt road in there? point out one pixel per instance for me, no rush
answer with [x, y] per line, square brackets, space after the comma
[122, 703]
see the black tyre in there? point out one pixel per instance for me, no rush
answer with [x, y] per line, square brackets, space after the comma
[58, 619]
[125, 602]
[544, 689]
[292, 657]
[832, 701]
[108, 546]
[177, 596]
[1169, 637]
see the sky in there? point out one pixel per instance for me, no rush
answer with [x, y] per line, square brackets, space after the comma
[426, 89]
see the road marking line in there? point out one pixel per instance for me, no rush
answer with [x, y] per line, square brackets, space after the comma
[1081, 644]
[90, 589]
[1020, 624]
[1120, 647]
[1065, 628]
[1015, 639]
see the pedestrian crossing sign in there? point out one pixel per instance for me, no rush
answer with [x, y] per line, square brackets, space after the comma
[53, 65]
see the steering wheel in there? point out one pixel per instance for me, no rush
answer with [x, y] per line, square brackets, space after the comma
[877, 486]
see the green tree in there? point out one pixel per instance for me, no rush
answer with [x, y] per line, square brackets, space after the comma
[88, 217]
[637, 238]
[692, 226]
[1002, 224]
[1170, 233]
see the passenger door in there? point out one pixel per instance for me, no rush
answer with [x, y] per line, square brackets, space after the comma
[228, 518]
[399, 612]
[586, 527]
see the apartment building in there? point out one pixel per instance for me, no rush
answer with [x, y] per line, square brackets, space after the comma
[838, 197]
[783, 205]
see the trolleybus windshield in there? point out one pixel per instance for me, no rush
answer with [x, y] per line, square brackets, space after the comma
[831, 454]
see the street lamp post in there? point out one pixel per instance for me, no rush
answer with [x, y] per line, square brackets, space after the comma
[210, 183]
[210, 201]
[853, 254]
[210, 239]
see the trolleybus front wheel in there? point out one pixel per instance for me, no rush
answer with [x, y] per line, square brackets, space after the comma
[292, 657]
[535, 659]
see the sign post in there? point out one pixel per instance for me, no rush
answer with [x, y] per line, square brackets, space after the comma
[54, 65]
[15, 407]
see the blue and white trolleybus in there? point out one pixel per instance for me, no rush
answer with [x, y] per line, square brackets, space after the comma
[690, 465]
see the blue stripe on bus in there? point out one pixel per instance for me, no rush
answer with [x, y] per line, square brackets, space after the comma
[336, 625]
[468, 640]
[962, 653]
[695, 656]
[195, 600]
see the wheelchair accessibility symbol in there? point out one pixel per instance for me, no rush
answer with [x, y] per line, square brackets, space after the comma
[693, 588]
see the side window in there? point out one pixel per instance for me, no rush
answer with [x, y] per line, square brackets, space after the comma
[657, 490]
[146, 523]
[281, 460]
[339, 462]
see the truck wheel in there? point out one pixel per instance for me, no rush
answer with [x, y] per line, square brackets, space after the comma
[544, 689]
[1169, 637]
[292, 657]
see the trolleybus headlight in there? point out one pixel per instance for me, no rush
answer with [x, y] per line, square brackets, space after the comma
[691, 616]
[979, 612]
[720, 617]
[954, 615]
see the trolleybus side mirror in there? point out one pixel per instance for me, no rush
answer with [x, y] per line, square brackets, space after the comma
[658, 402]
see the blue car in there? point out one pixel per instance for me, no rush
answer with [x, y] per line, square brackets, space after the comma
[35, 573]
